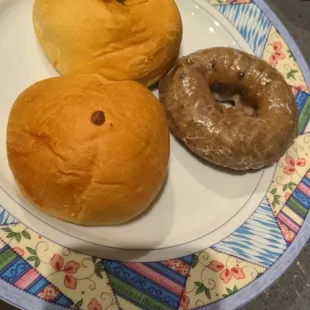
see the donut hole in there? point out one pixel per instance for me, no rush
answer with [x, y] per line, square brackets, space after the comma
[229, 97]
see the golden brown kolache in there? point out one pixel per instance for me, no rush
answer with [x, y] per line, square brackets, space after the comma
[256, 131]
[121, 40]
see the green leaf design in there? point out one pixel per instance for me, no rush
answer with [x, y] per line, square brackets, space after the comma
[11, 235]
[273, 191]
[285, 187]
[291, 74]
[225, 295]
[273, 204]
[207, 292]
[200, 290]
[18, 237]
[37, 263]
[277, 201]
[7, 229]
[94, 259]
[98, 273]
[277, 197]
[195, 261]
[26, 235]
[290, 187]
[235, 289]
[99, 264]
[229, 291]
[32, 258]
[199, 284]
[79, 304]
[293, 184]
[31, 251]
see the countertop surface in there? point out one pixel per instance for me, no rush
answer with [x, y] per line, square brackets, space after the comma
[292, 290]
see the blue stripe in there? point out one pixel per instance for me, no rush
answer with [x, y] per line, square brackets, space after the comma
[167, 272]
[251, 23]
[259, 240]
[301, 99]
[302, 198]
[187, 259]
[2, 217]
[15, 270]
[62, 301]
[3, 249]
[14, 261]
[38, 286]
[6, 217]
[306, 181]
[141, 283]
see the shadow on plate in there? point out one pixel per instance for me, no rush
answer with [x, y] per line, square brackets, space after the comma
[223, 181]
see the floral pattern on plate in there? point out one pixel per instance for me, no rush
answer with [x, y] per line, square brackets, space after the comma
[290, 170]
[19, 273]
[278, 54]
[80, 277]
[216, 275]
[220, 2]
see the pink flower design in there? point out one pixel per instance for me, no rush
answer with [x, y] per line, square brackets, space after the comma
[184, 302]
[302, 88]
[225, 275]
[70, 282]
[49, 293]
[57, 262]
[277, 55]
[71, 267]
[216, 266]
[287, 196]
[290, 169]
[288, 234]
[178, 266]
[237, 273]
[19, 251]
[94, 305]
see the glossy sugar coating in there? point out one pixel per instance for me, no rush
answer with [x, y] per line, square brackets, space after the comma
[253, 133]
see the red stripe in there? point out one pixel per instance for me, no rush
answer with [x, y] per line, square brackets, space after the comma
[156, 277]
[28, 278]
[305, 189]
[288, 222]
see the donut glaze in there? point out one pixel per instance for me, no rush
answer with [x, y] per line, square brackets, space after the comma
[254, 132]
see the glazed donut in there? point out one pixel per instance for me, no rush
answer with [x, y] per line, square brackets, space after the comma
[254, 132]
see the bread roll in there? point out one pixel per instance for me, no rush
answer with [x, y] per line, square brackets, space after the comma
[87, 150]
[119, 39]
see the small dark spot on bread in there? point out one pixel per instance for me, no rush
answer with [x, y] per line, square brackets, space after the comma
[98, 118]
[213, 65]
[182, 75]
[241, 74]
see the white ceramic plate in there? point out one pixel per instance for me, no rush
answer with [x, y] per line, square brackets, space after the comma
[199, 205]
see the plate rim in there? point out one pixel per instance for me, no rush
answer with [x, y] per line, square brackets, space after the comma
[155, 254]
[253, 289]
[280, 266]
